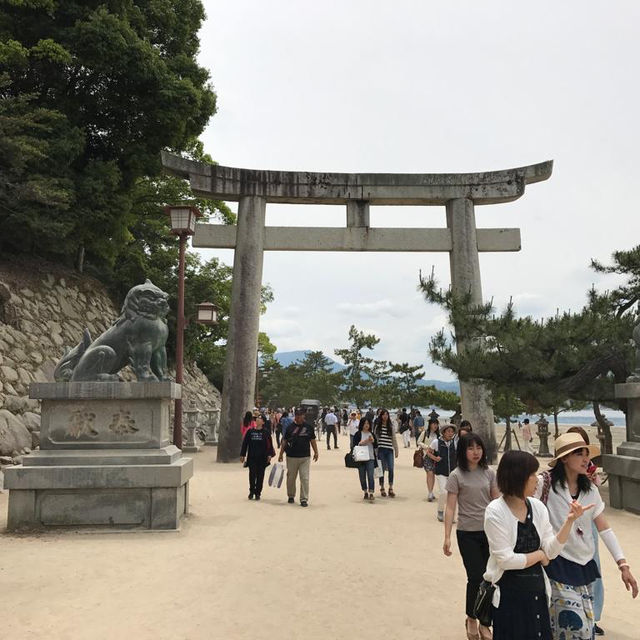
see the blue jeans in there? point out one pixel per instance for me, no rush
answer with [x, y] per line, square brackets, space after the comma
[365, 470]
[386, 457]
[597, 587]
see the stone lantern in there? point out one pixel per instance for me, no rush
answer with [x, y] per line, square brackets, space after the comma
[543, 434]
[192, 422]
[212, 420]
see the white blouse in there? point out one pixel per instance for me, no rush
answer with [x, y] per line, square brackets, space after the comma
[580, 546]
[501, 527]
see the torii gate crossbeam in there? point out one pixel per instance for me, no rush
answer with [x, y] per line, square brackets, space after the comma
[253, 189]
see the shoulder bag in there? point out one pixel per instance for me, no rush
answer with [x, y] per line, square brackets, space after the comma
[482, 605]
[349, 462]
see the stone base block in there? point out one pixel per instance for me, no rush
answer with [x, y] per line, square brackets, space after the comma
[191, 448]
[88, 457]
[101, 496]
[624, 481]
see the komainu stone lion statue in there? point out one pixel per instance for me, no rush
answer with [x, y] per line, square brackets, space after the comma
[137, 338]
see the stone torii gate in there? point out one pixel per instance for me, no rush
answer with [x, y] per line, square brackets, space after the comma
[459, 193]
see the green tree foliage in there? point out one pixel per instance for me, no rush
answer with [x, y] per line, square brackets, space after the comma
[550, 364]
[429, 396]
[35, 172]
[626, 264]
[100, 89]
[312, 377]
[405, 378]
[358, 383]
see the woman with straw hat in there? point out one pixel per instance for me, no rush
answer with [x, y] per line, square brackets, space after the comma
[521, 542]
[574, 570]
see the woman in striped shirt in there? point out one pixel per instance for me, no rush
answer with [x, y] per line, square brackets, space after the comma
[387, 449]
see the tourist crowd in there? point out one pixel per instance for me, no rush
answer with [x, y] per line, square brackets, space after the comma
[528, 539]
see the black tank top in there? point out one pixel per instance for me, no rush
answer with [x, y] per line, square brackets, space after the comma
[528, 540]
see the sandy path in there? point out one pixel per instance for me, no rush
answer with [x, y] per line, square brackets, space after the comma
[240, 569]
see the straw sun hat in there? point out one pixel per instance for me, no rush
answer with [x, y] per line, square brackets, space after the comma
[568, 442]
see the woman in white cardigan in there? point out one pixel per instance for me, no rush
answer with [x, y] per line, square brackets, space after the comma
[521, 542]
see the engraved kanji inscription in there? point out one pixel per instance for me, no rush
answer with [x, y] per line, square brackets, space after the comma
[123, 423]
[81, 424]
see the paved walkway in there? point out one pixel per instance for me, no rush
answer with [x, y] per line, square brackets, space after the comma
[240, 569]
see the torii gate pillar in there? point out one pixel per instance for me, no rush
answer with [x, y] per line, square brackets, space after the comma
[240, 366]
[465, 279]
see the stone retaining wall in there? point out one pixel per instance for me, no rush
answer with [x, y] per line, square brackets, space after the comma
[43, 309]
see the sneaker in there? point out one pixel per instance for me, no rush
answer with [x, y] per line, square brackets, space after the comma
[371, 497]
[291, 500]
[257, 497]
[366, 496]
[440, 516]
[431, 497]
[250, 496]
[303, 503]
[599, 631]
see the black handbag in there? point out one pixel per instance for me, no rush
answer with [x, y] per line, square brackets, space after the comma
[482, 605]
[349, 462]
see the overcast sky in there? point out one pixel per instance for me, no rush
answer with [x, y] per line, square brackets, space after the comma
[434, 87]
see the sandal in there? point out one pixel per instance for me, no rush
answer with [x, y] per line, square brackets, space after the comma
[391, 493]
[485, 632]
[371, 497]
[383, 493]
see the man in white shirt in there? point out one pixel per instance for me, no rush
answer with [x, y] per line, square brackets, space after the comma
[330, 421]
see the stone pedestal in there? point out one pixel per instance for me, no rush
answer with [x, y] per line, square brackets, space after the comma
[623, 469]
[105, 460]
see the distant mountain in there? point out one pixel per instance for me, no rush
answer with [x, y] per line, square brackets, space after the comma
[285, 358]
[442, 385]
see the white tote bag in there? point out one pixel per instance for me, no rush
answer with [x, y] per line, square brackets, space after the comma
[378, 471]
[276, 475]
[361, 453]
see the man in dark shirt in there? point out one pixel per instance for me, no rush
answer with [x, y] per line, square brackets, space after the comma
[297, 443]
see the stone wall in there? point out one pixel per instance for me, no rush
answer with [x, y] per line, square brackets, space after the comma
[43, 309]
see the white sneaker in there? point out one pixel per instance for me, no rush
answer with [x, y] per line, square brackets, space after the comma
[431, 497]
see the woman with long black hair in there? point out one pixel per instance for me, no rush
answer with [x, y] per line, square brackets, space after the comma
[257, 449]
[365, 438]
[387, 449]
[248, 422]
[471, 486]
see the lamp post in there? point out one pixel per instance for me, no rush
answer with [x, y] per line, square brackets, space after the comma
[183, 223]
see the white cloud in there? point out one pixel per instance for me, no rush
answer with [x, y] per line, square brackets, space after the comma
[280, 327]
[409, 112]
[368, 309]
